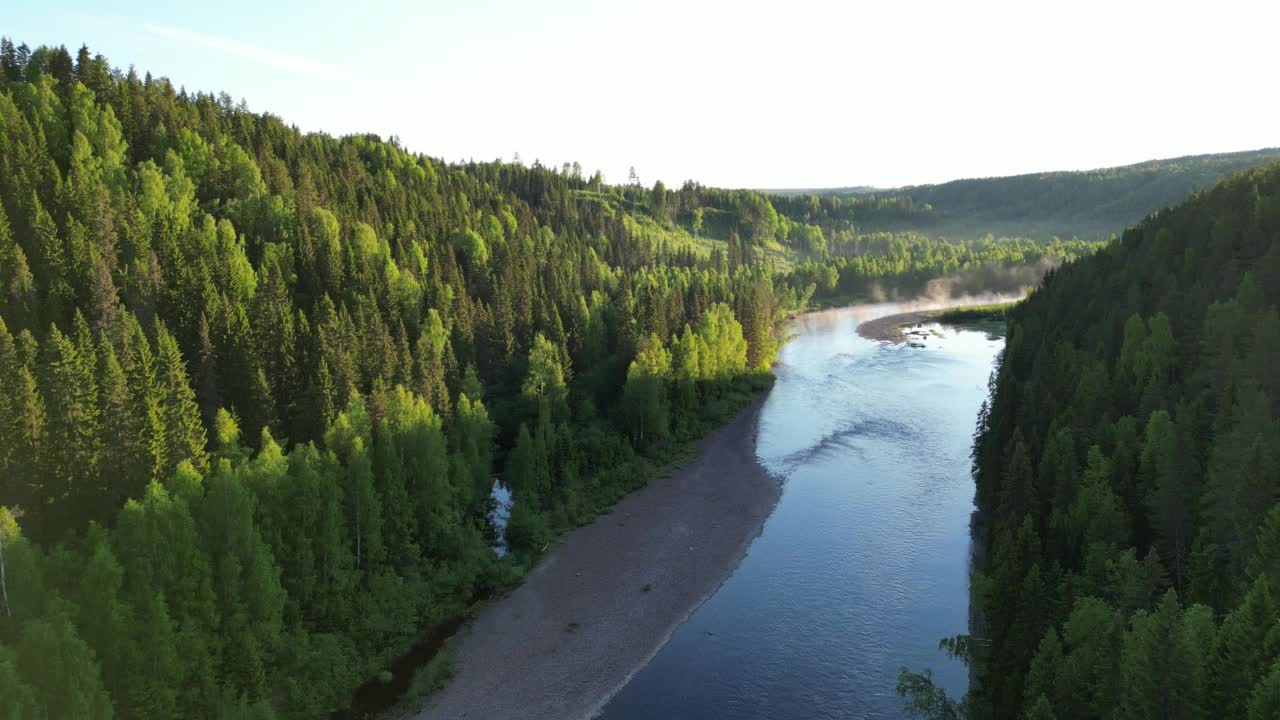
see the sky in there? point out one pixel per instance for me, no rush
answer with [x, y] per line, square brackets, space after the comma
[735, 93]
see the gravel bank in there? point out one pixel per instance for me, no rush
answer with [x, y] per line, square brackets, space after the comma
[604, 600]
[889, 328]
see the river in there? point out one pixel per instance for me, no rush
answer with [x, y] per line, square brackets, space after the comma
[862, 567]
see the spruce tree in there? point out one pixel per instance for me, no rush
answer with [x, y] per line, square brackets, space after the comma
[184, 430]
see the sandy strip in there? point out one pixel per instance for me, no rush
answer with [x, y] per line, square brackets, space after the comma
[608, 596]
[889, 328]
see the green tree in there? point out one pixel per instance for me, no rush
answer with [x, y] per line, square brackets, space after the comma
[74, 434]
[1265, 701]
[658, 203]
[184, 431]
[1155, 675]
[545, 382]
[1241, 654]
[1172, 496]
[645, 393]
[19, 697]
[62, 671]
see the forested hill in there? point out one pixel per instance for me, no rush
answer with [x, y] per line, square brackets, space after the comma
[256, 385]
[1128, 477]
[1091, 204]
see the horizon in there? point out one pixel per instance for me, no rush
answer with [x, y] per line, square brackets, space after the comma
[451, 82]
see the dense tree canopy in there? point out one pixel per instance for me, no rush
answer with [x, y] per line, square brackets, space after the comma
[1128, 477]
[257, 384]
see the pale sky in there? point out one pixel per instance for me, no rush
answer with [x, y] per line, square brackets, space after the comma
[791, 93]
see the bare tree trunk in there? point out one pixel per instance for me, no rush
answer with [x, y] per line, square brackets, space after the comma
[4, 587]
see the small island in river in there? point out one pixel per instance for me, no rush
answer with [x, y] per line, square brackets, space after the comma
[891, 328]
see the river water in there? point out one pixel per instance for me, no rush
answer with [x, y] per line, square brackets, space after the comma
[862, 567]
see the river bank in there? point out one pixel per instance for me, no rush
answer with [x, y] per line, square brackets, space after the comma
[863, 565]
[609, 594]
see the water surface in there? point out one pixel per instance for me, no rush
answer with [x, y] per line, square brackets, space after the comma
[862, 567]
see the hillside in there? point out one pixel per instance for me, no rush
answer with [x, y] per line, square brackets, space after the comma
[1091, 204]
[1128, 476]
[255, 385]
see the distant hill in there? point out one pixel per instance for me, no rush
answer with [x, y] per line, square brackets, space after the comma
[1086, 204]
[853, 190]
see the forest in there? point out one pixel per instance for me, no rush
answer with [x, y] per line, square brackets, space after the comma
[256, 385]
[1090, 204]
[1128, 480]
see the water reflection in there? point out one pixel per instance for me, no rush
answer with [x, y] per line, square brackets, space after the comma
[498, 516]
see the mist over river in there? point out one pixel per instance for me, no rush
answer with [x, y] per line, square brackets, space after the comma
[862, 567]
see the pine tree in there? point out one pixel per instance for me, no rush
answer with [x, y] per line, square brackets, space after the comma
[1240, 655]
[117, 459]
[26, 429]
[208, 385]
[184, 430]
[260, 415]
[146, 432]
[472, 437]
[430, 362]
[1264, 703]
[74, 430]
[324, 394]
[1042, 678]
[17, 284]
[1088, 678]
[1041, 709]
[1171, 498]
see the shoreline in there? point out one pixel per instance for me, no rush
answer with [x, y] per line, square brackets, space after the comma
[607, 597]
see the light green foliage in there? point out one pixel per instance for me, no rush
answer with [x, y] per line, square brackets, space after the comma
[545, 382]
[473, 248]
[242, 177]
[255, 382]
[645, 394]
[924, 700]
[721, 349]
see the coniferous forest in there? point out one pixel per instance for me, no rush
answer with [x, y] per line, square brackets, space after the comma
[1128, 475]
[258, 384]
